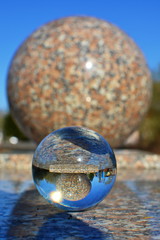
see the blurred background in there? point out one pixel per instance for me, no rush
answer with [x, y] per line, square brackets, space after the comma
[139, 19]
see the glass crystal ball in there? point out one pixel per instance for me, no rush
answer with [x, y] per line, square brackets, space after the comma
[74, 168]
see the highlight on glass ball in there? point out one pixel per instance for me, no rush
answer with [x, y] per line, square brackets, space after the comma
[74, 168]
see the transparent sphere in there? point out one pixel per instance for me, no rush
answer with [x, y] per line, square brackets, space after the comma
[74, 168]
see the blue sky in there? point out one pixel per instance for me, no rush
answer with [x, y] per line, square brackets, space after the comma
[140, 19]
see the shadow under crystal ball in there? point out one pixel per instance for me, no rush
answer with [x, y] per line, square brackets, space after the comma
[79, 71]
[74, 168]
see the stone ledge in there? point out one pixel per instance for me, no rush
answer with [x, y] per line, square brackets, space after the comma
[137, 159]
[126, 159]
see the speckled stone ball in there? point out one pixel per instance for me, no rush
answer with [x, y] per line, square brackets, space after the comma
[79, 71]
[73, 186]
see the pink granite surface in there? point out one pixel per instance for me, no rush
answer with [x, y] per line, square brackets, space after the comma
[131, 211]
[126, 159]
[79, 71]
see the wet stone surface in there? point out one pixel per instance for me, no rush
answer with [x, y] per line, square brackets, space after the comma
[131, 210]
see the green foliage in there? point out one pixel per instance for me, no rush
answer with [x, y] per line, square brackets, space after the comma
[150, 128]
[155, 105]
[10, 128]
[156, 73]
[1, 123]
[90, 176]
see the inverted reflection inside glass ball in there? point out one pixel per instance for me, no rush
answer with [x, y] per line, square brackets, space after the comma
[73, 186]
[74, 168]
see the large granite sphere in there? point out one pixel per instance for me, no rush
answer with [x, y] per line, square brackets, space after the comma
[79, 71]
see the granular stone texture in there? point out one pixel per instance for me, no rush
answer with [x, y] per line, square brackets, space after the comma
[79, 71]
[74, 150]
[130, 212]
[126, 159]
[73, 186]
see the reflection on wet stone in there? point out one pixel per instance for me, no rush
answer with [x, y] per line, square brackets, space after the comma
[33, 219]
[129, 212]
